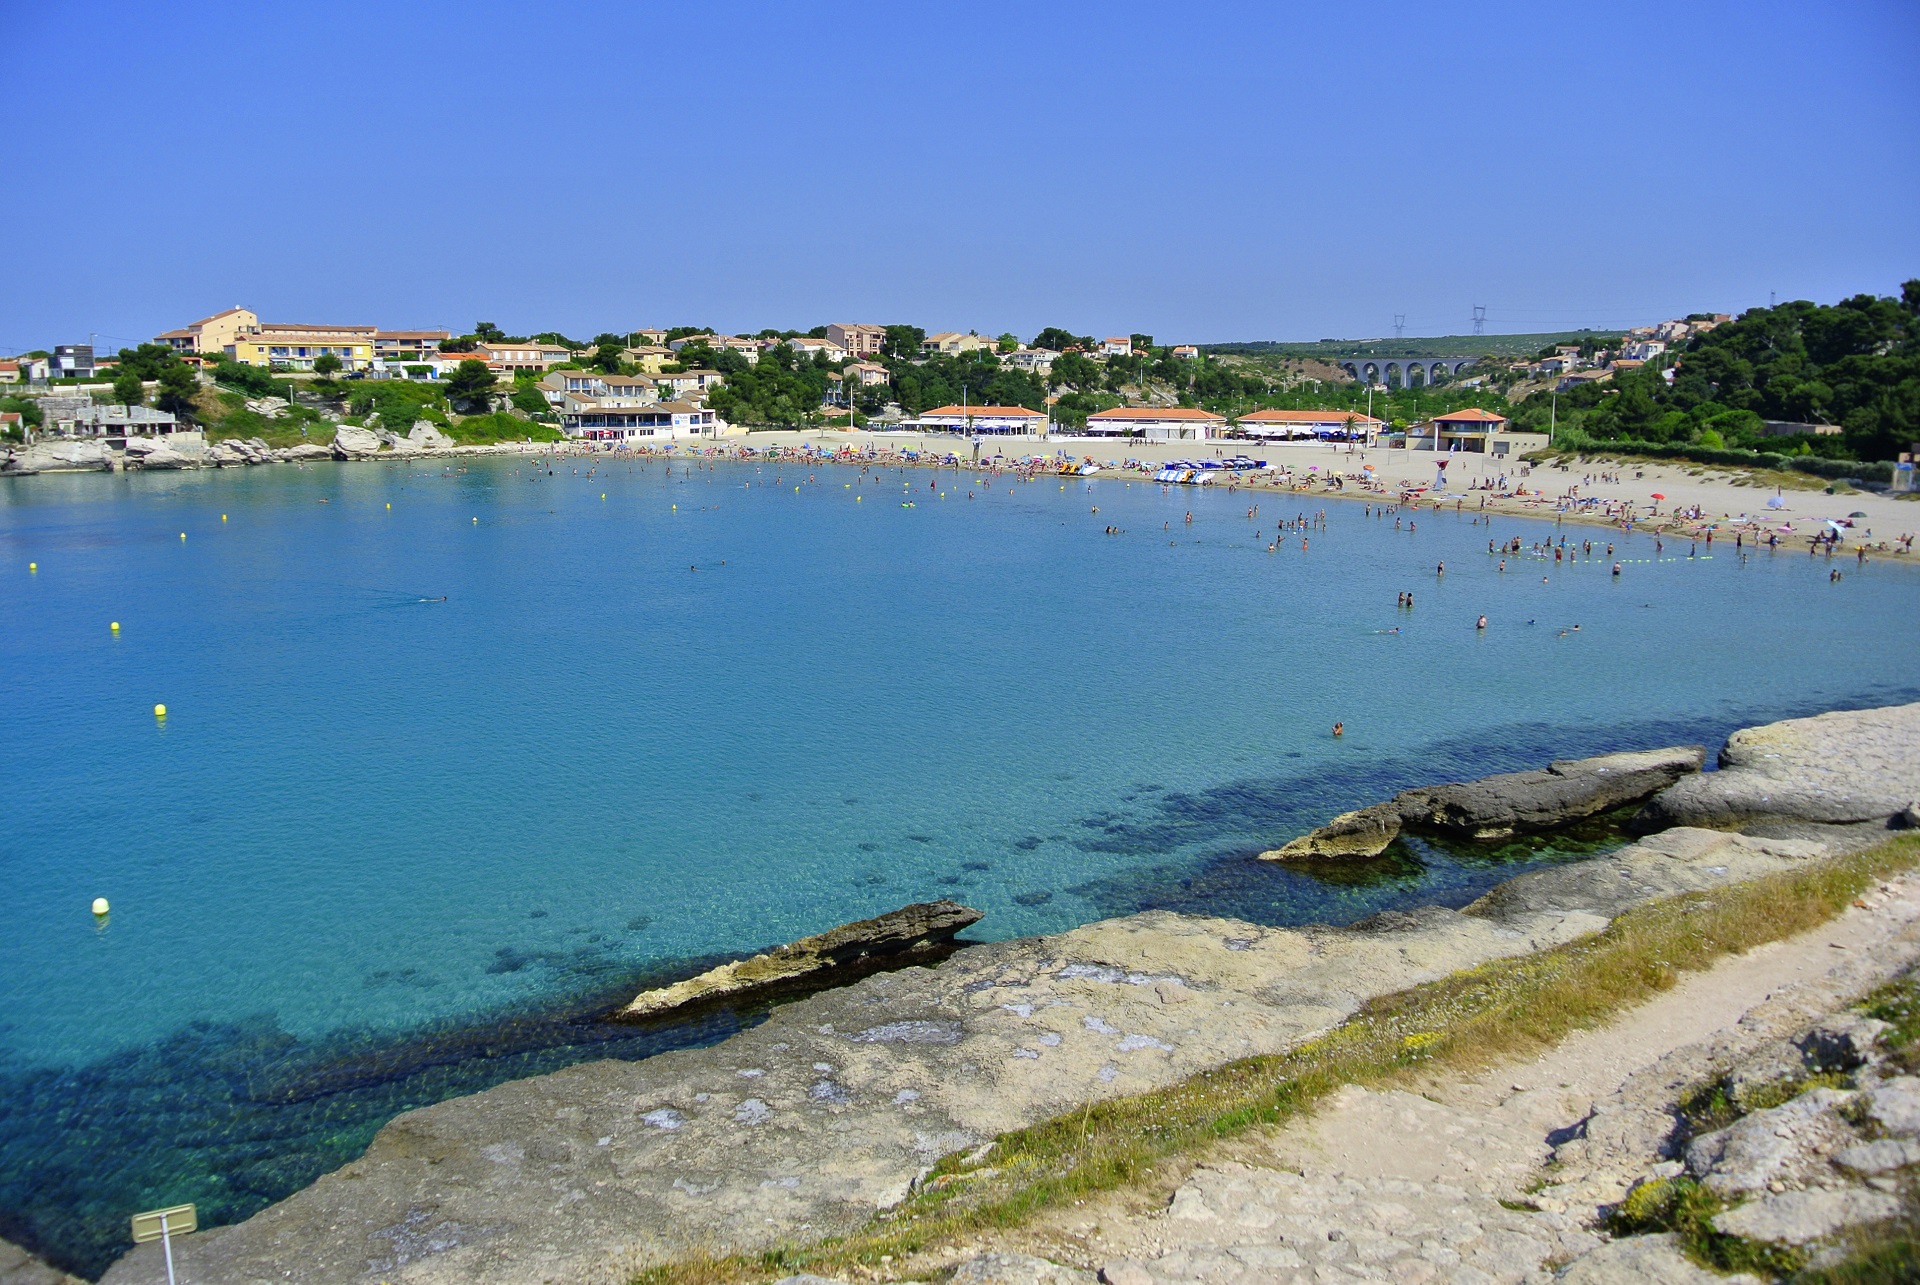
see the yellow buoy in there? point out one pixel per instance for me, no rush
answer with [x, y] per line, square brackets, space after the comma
[115, 626]
[159, 711]
[603, 495]
[676, 508]
[223, 517]
[389, 506]
[33, 566]
[476, 521]
[99, 905]
[183, 535]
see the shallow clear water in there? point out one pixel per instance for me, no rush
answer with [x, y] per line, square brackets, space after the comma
[375, 831]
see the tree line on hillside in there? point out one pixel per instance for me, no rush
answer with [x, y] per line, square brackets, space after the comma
[1854, 365]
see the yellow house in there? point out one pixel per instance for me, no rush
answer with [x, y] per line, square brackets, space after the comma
[297, 349]
[211, 334]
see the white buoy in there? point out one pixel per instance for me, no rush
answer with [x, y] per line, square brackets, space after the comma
[100, 905]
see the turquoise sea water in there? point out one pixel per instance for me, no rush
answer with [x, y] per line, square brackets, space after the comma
[386, 847]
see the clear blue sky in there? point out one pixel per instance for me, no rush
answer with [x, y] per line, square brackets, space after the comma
[1199, 172]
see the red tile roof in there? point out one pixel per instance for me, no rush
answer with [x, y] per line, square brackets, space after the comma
[1471, 415]
[1307, 417]
[1154, 412]
[999, 411]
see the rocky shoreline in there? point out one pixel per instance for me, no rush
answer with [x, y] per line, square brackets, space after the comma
[190, 451]
[835, 1107]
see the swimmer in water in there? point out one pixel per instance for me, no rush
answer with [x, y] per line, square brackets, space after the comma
[1482, 624]
[1339, 729]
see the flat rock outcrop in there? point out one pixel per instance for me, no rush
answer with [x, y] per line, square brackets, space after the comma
[1839, 768]
[912, 932]
[831, 1109]
[1499, 807]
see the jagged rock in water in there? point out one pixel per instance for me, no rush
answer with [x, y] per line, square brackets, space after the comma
[922, 929]
[1499, 807]
[1365, 832]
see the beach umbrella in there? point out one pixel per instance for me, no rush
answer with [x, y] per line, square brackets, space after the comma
[1857, 513]
[1658, 496]
[1775, 502]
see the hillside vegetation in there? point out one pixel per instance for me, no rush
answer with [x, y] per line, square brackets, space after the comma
[1854, 364]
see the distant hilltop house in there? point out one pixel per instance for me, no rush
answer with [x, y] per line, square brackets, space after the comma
[408, 345]
[1156, 423]
[949, 343]
[1186, 352]
[31, 370]
[747, 348]
[1644, 349]
[513, 358]
[809, 347]
[1116, 347]
[650, 357]
[296, 346]
[867, 373]
[858, 339]
[1037, 360]
[1288, 424]
[210, 336]
[984, 419]
[654, 337]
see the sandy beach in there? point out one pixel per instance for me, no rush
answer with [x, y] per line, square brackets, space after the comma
[1694, 497]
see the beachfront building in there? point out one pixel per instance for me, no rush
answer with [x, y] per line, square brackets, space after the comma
[997, 420]
[297, 347]
[210, 335]
[857, 338]
[631, 425]
[81, 416]
[1156, 423]
[1474, 432]
[594, 385]
[1287, 425]
[527, 355]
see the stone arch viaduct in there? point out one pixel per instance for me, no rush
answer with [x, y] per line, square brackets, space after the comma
[1402, 372]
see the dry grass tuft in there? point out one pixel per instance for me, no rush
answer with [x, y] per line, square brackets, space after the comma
[1499, 1010]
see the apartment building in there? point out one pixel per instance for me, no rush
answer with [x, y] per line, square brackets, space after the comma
[858, 338]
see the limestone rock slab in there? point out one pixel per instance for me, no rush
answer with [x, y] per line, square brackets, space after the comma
[1836, 768]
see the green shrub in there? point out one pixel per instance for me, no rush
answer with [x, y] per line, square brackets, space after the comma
[501, 427]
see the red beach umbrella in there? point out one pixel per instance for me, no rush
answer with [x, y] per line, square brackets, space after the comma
[1658, 496]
